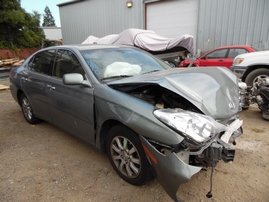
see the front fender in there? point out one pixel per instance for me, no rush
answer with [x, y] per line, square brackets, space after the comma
[170, 170]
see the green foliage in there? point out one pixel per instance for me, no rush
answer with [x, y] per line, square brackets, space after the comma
[19, 29]
[48, 20]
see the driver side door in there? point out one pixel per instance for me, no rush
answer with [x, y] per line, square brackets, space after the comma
[215, 58]
[71, 106]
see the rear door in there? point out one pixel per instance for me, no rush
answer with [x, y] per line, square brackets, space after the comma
[72, 107]
[34, 82]
[233, 52]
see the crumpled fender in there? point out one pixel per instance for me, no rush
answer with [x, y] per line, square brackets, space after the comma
[170, 170]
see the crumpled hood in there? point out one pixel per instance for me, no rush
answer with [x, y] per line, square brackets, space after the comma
[214, 90]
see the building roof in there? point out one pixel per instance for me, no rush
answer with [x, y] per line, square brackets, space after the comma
[69, 2]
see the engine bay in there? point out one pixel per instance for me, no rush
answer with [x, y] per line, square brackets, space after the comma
[157, 96]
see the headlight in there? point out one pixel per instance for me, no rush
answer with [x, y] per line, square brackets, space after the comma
[192, 125]
[237, 61]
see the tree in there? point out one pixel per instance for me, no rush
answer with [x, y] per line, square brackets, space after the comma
[11, 21]
[48, 20]
[18, 29]
[31, 34]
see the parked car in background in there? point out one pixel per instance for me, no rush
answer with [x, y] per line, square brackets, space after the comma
[149, 118]
[222, 56]
[251, 67]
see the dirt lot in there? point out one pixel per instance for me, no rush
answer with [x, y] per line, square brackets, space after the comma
[43, 163]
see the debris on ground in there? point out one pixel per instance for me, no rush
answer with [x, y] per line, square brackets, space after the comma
[3, 87]
[9, 63]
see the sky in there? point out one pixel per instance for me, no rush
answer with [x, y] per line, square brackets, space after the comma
[39, 6]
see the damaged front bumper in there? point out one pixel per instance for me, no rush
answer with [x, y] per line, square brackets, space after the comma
[174, 168]
[170, 170]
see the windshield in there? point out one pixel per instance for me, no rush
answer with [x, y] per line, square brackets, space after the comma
[117, 63]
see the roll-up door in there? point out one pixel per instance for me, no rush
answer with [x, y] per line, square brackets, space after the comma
[172, 18]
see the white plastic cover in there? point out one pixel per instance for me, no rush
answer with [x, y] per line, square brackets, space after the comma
[145, 39]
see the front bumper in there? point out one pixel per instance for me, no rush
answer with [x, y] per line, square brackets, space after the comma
[172, 169]
[238, 70]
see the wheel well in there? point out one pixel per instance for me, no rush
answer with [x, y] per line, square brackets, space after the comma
[103, 132]
[19, 93]
[251, 68]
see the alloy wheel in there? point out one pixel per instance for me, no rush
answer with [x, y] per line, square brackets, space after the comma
[27, 108]
[125, 156]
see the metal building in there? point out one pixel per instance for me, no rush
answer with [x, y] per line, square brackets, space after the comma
[233, 22]
[213, 23]
[99, 18]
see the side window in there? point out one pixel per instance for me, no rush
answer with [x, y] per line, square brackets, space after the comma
[236, 51]
[66, 62]
[41, 62]
[217, 54]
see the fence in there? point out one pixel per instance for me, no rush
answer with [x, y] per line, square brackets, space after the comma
[18, 53]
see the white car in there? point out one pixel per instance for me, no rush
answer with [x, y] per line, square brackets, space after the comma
[251, 66]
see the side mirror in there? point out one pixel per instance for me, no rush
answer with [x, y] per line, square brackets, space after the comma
[75, 79]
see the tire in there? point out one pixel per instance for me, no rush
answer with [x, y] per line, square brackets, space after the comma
[27, 110]
[255, 74]
[126, 154]
[245, 107]
[246, 104]
[172, 64]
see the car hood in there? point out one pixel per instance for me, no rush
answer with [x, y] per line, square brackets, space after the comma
[253, 58]
[213, 90]
[254, 54]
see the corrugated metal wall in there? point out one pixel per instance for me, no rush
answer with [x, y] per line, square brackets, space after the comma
[220, 22]
[98, 18]
[233, 22]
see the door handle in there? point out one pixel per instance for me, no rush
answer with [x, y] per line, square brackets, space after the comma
[220, 60]
[24, 79]
[51, 87]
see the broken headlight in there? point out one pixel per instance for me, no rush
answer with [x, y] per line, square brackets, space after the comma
[194, 126]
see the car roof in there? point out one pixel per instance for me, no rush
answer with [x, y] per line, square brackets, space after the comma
[234, 46]
[82, 47]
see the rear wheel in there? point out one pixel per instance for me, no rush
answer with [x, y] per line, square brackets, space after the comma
[127, 156]
[27, 110]
[172, 64]
[255, 75]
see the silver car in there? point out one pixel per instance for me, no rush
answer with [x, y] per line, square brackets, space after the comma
[150, 119]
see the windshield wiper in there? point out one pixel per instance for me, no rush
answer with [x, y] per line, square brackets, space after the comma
[155, 70]
[116, 77]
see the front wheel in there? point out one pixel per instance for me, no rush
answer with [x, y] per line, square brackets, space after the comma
[255, 75]
[127, 156]
[27, 110]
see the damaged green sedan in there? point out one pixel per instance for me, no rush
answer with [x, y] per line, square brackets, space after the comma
[150, 119]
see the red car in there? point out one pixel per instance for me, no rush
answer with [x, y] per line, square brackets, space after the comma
[222, 56]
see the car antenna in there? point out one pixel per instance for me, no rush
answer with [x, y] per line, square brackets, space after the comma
[209, 194]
